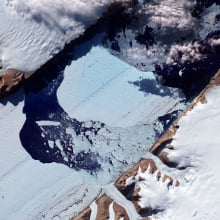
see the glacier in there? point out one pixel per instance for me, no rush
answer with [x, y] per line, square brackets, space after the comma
[94, 106]
[48, 130]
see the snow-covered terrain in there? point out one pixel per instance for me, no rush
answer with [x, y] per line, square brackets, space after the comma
[196, 147]
[195, 150]
[31, 32]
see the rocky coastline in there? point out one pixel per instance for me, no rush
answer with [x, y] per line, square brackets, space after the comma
[128, 183]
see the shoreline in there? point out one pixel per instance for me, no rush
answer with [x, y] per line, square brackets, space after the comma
[149, 165]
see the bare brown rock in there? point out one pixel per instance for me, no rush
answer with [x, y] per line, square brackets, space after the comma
[120, 212]
[177, 183]
[165, 138]
[167, 179]
[10, 80]
[143, 164]
[84, 215]
[103, 204]
[164, 157]
[157, 149]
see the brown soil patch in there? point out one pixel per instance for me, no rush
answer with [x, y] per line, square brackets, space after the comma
[103, 205]
[84, 215]
[143, 164]
[10, 80]
[120, 212]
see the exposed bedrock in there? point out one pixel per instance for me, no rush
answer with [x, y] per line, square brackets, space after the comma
[10, 80]
[138, 183]
[105, 207]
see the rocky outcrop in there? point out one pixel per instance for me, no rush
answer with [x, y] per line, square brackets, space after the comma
[130, 185]
[162, 146]
[10, 80]
[143, 165]
[103, 205]
[84, 215]
[135, 180]
[103, 212]
[138, 179]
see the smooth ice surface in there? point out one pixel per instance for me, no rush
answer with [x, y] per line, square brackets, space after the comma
[99, 86]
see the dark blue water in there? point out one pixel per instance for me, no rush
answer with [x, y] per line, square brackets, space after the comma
[196, 75]
[41, 103]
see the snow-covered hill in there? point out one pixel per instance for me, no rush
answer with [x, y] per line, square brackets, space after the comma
[196, 149]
